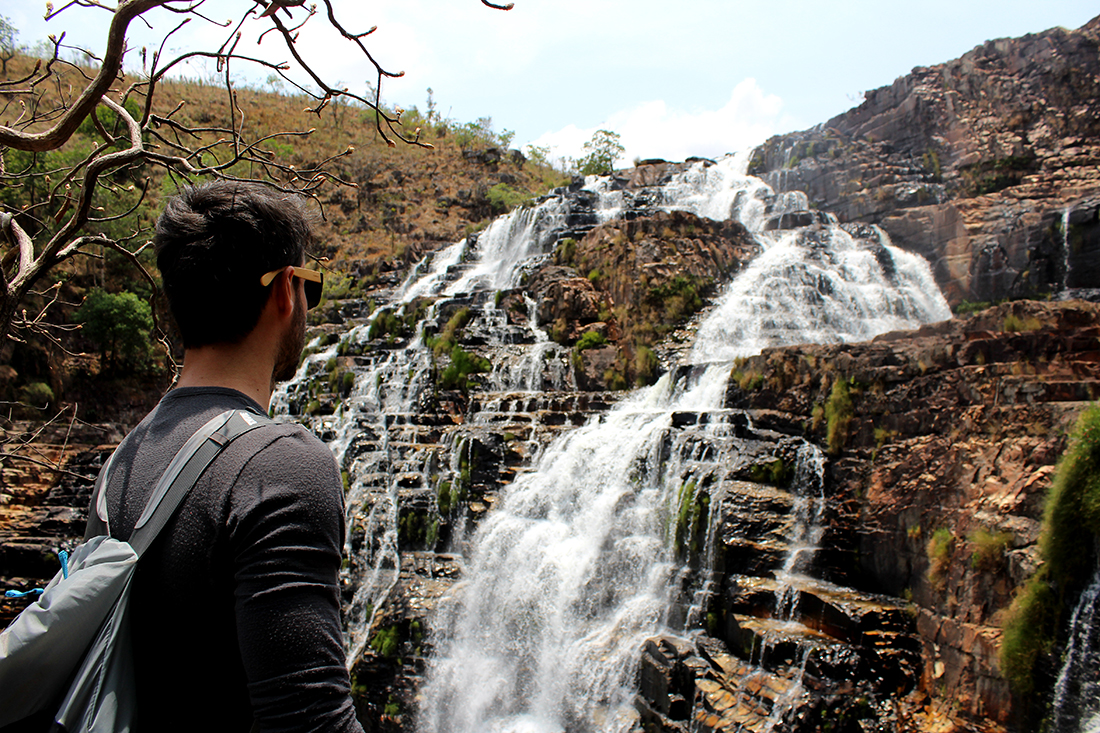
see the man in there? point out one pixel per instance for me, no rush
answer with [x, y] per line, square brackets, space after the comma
[235, 606]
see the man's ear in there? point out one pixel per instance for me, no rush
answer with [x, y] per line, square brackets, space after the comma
[282, 292]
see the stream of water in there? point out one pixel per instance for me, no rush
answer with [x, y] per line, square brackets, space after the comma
[1076, 705]
[573, 568]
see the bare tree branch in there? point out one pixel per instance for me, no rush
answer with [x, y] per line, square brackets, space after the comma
[71, 198]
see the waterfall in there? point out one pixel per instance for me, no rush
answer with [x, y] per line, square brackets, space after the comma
[1076, 705]
[806, 530]
[575, 566]
[1065, 248]
[370, 431]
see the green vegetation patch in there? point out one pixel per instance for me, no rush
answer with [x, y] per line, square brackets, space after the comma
[678, 298]
[120, 324]
[386, 641]
[692, 513]
[989, 549]
[390, 325]
[838, 416]
[939, 549]
[447, 338]
[504, 198]
[463, 364]
[590, 340]
[646, 366]
[1015, 324]
[1068, 547]
[776, 472]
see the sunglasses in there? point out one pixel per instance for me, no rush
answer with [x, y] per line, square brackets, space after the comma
[313, 279]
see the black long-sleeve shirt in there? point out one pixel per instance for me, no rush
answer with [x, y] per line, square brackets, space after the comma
[236, 614]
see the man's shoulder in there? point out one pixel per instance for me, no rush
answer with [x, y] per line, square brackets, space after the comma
[287, 446]
[291, 437]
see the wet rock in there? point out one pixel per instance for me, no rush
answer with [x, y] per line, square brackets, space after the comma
[975, 164]
[955, 429]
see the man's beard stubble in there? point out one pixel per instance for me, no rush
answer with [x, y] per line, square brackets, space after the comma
[290, 349]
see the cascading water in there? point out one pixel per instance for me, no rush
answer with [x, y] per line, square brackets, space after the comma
[1076, 705]
[371, 430]
[1065, 250]
[574, 568]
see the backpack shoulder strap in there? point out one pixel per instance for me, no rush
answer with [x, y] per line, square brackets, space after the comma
[185, 469]
[100, 492]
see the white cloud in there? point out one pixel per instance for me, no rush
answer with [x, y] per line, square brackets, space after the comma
[655, 130]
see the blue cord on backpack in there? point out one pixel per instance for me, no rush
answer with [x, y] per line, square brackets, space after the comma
[63, 556]
[21, 594]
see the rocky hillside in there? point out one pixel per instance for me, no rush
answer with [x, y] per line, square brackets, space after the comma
[988, 166]
[943, 443]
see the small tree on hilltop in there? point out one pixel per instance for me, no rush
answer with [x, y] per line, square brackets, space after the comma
[7, 44]
[601, 152]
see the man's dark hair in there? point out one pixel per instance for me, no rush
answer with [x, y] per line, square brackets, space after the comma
[214, 242]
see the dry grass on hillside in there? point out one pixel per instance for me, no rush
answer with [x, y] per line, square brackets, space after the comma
[403, 198]
[398, 202]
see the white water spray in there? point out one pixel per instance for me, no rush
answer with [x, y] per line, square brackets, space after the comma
[1076, 705]
[571, 572]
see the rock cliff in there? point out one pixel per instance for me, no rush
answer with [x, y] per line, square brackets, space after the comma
[986, 165]
[943, 447]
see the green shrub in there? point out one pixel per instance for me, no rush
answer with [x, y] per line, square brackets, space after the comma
[678, 298]
[1067, 545]
[386, 641]
[566, 251]
[747, 381]
[503, 198]
[1015, 324]
[448, 336]
[120, 324]
[614, 380]
[590, 340]
[838, 416]
[939, 555]
[384, 324]
[340, 287]
[645, 366]
[37, 395]
[989, 549]
[463, 364]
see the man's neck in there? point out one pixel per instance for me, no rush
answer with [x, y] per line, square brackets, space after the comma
[235, 366]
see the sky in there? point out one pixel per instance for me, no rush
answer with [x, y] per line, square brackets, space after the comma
[673, 79]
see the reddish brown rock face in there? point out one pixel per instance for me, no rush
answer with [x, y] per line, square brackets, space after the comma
[954, 433]
[635, 282]
[972, 164]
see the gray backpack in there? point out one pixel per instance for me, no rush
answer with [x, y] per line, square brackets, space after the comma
[71, 649]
